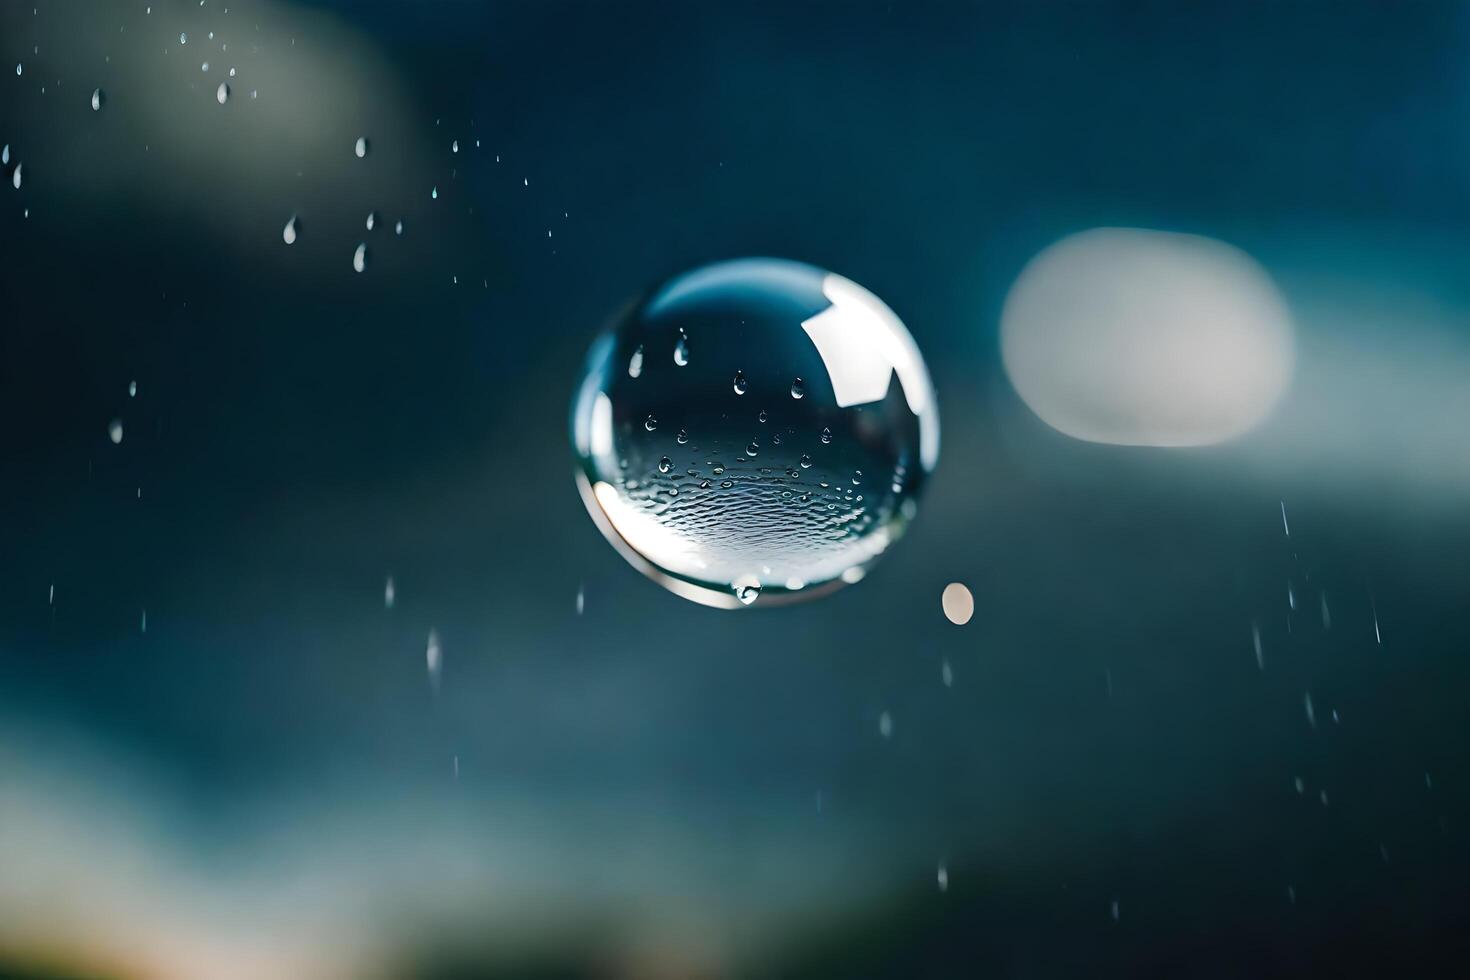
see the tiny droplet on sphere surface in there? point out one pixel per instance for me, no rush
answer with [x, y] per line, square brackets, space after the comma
[958, 604]
[786, 526]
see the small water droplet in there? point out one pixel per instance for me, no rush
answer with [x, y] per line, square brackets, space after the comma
[942, 878]
[751, 449]
[454, 147]
[885, 725]
[718, 470]
[798, 389]
[97, 98]
[727, 484]
[361, 147]
[5, 154]
[761, 415]
[359, 258]
[115, 431]
[232, 73]
[946, 674]
[222, 94]
[15, 177]
[372, 219]
[806, 461]
[398, 228]
[650, 423]
[288, 233]
[19, 68]
[665, 464]
[1115, 910]
[389, 593]
[635, 364]
[433, 659]
[434, 194]
[747, 592]
[826, 437]
[204, 66]
[857, 477]
[740, 384]
[682, 437]
[681, 351]
[183, 38]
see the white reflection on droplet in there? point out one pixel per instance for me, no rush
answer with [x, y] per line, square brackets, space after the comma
[288, 233]
[115, 431]
[359, 258]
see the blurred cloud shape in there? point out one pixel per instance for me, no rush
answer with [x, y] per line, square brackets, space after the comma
[1147, 338]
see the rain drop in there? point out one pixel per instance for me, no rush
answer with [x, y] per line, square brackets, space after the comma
[665, 464]
[359, 258]
[114, 431]
[372, 219]
[288, 233]
[798, 389]
[761, 415]
[398, 228]
[681, 351]
[361, 147]
[806, 461]
[946, 674]
[635, 364]
[132, 389]
[434, 194]
[826, 437]
[747, 592]
[682, 437]
[650, 423]
[15, 177]
[740, 383]
[885, 725]
[222, 94]
[97, 98]
[433, 659]
[941, 878]
[751, 449]
[389, 593]
[454, 147]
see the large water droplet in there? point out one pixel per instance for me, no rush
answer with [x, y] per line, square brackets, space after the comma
[288, 233]
[798, 389]
[359, 258]
[665, 464]
[681, 351]
[15, 177]
[361, 147]
[222, 94]
[97, 98]
[774, 320]
[747, 592]
[114, 431]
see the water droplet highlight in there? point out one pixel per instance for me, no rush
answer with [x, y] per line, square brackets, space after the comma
[740, 384]
[288, 233]
[115, 431]
[635, 363]
[798, 389]
[361, 147]
[681, 351]
[97, 98]
[222, 94]
[359, 259]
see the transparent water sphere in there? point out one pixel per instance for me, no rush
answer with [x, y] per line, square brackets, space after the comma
[718, 505]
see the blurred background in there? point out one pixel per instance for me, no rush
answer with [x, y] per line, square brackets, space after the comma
[1208, 718]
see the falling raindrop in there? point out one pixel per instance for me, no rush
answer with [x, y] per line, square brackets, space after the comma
[783, 321]
[665, 464]
[288, 233]
[97, 98]
[132, 389]
[798, 389]
[222, 94]
[372, 219]
[5, 154]
[1326, 613]
[359, 258]
[204, 67]
[15, 177]
[1115, 910]
[635, 364]
[454, 147]
[398, 228]
[957, 602]
[433, 659]
[1310, 710]
[941, 878]
[143, 623]
[1285, 526]
[390, 593]
[650, 423]
[581, 599]
[826, 437]
[1256, 642]
[682, 437]
[361, 147]
[434, 194]
[885, 725]
[115, 431]
[761, 415]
